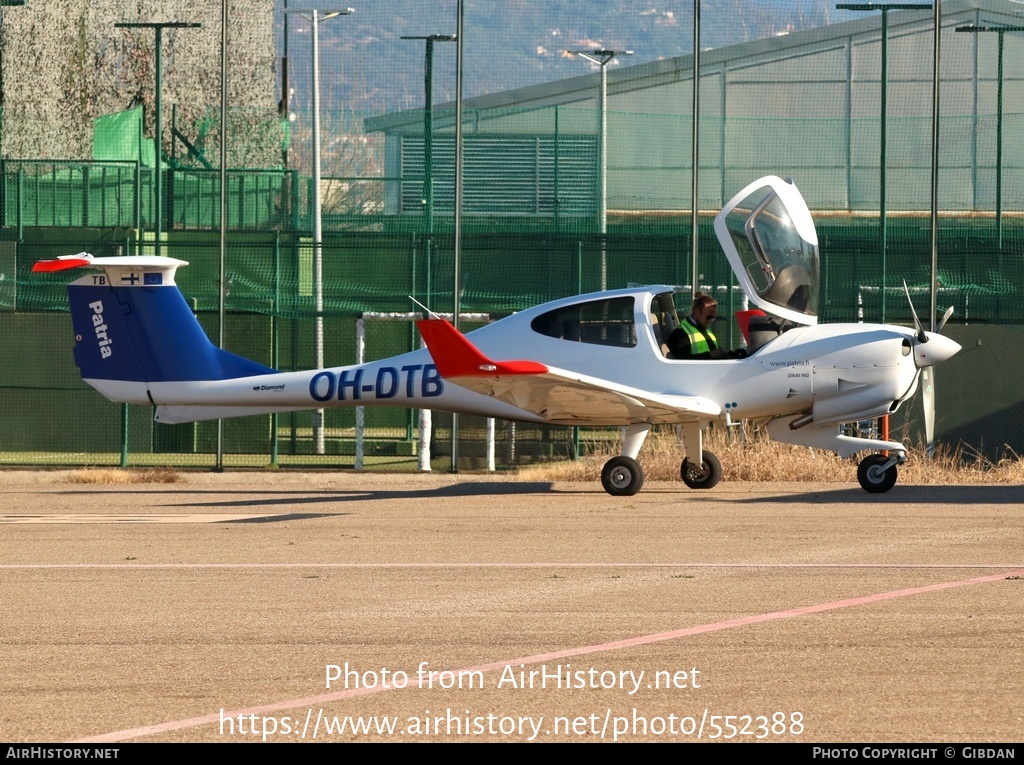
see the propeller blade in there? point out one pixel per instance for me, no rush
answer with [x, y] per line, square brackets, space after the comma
[928, 399]
[945, 318]
[921, 336]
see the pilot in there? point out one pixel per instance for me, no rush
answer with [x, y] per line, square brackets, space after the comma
[693, 338]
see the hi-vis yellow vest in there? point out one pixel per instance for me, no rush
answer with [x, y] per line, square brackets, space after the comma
[698, 339]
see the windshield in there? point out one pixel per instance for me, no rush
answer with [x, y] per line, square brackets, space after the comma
[771, 243]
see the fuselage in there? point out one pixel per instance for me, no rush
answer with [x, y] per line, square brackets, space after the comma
[837, 372]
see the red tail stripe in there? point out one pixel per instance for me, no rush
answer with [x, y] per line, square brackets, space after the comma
[455, 356]
[44, 266]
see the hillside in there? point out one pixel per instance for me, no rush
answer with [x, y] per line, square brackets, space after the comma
[366, 67]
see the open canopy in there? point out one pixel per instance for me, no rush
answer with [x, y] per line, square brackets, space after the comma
[768, 236]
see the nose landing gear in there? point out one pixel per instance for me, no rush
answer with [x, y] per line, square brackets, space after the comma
[877, 473]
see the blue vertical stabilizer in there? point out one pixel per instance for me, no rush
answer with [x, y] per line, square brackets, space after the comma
[146, 334]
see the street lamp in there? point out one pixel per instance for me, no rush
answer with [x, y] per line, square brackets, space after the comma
[1000, 31]
[883, 117]
[314, 16]
[158, 27]
[602, 58]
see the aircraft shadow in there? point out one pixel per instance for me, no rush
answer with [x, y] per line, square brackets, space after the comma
[300, 497]
[975, 494]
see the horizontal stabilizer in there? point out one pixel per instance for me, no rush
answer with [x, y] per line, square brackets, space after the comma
[62, 263]
[126, 271]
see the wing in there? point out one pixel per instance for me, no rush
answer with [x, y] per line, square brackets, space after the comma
[557, 395]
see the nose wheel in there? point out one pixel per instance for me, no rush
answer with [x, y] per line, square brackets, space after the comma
[877, 473]
[622, 476]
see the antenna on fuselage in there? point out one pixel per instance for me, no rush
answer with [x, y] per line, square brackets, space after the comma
[417, 302]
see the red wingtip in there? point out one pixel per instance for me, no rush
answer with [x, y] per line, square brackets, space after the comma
[455, 356]
[58, 264]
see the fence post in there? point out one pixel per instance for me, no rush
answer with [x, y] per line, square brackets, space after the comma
[124, 435]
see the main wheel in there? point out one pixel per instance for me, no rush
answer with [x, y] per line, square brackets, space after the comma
[702, 476]
[871, 475]
[622, 476]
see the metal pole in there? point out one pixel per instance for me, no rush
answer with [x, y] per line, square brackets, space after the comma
[158, 144]
[883, 239]
[158, 28]
[1000, 31]
[428, 134]
[695, 144]
[602, 106]
[313, 16]
[934, 227]
[285, 84]
[999, 154]
[457, 256]
[318, 285]
[222, 298]
[602, 58]
[428, 124]
[360, 411]
[883, 242]
[428, 207]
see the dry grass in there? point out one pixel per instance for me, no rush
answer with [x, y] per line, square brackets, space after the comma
[122, 476]
[752, 456]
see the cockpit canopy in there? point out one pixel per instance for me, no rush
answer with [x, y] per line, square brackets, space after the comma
[768, 236]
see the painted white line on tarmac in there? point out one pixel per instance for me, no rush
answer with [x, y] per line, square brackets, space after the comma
[641, 640]
[540, 564]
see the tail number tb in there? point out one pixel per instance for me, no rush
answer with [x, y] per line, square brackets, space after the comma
[349, 385]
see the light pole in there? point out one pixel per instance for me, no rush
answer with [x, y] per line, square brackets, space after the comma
[1000, 31]
[883, 118]
[459, 190]
[694, 152]
[428, 195]
[602, 58]
[313, 16]
[428, 123]
[158, 27]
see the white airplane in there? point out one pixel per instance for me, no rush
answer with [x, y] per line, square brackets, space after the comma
[591, 360]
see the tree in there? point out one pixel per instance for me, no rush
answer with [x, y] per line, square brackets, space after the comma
[65, 63]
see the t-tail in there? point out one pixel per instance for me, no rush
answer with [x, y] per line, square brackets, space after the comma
[138, 342]
[134, 329]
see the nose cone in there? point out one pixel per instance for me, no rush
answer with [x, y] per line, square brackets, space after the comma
[935, 351]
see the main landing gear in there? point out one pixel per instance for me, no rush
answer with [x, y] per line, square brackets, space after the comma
[702, 476]
[622, 476]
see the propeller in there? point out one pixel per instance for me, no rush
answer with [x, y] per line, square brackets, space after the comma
[944, 319]
[921, 335]
[928, 399]
[927, 375]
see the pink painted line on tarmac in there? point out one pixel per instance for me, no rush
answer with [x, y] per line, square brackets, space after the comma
[660, 637]
[159, 566]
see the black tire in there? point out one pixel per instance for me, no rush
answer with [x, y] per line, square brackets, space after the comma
[707, 475]
[872, 478]
[622, 476]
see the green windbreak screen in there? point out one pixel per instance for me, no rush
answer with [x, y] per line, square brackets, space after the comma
[556, 190]
[119, 137]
